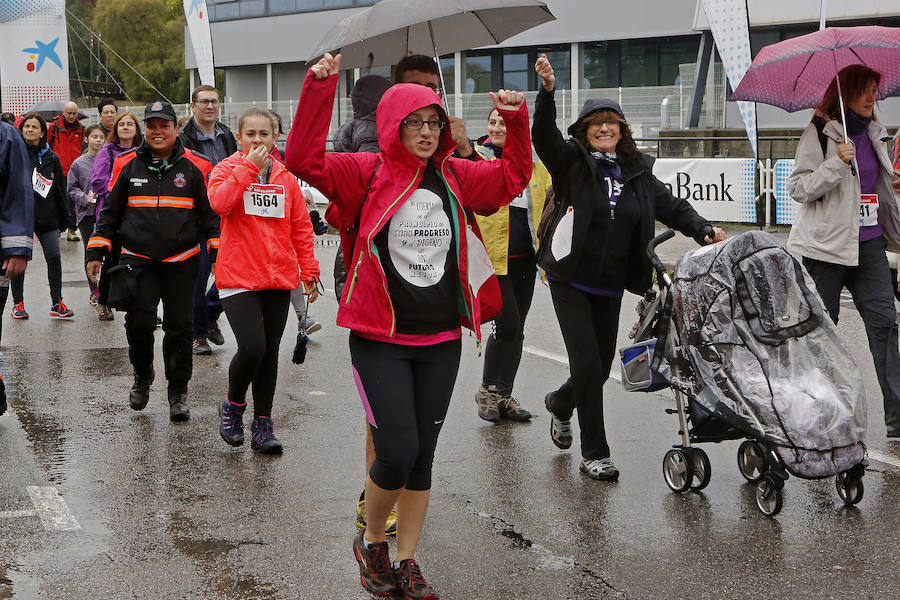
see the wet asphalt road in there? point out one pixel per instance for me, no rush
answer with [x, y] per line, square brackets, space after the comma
[147, 509]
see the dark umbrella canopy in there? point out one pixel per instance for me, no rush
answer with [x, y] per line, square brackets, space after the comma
[50, 109]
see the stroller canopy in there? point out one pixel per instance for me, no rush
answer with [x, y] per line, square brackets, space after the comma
[758, 348]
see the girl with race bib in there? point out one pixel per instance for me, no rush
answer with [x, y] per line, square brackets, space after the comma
[266, 236]
[419, 271]
[51, 215]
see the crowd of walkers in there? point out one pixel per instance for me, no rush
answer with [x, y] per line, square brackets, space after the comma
[438, 234]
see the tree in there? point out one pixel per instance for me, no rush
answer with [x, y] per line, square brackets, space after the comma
[149, 35]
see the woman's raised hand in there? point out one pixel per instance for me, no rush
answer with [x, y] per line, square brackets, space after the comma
[327, 65]
[545, 72]
[508, 99]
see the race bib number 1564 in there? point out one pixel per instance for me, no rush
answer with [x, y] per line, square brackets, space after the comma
[264, 200]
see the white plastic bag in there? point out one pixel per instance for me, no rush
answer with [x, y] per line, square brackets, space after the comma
[561, 244]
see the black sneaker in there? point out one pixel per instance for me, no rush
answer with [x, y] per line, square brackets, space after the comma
[179, 410]
[140, 391]
[375, 572]
[511, 410]
[214, 334]
[231, 427]
[411, 582]
[262, 437]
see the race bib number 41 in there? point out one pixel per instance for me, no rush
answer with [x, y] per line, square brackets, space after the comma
[264, 200]
[868, 210]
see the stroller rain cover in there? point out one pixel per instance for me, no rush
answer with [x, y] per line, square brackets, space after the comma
[764, 355]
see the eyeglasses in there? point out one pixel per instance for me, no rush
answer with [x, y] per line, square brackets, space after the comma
[207, 101]
[417, 124]
[437, 90]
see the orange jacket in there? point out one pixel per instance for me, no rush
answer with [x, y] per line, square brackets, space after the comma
[258, 252]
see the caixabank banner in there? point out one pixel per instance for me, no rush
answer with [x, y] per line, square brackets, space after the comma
[720, 189]
[34, 62]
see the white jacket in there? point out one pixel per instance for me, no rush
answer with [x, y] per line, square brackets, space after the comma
[827, 225]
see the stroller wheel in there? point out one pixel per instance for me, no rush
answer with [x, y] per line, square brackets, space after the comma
[702, 469]
[751, 458]
[849, 487]
[768, 496]
[678, 470]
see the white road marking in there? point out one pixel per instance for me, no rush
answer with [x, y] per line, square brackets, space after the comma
[884, 458]
[13, 514]
[562, 360]
[51, 509]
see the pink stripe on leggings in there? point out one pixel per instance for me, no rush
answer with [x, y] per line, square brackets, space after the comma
[364, 398]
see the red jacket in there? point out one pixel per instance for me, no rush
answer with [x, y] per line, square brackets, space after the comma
[344, 177]
[65, 140]
[257, 252]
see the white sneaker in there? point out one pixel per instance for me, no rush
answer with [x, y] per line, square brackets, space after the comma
[603, 469]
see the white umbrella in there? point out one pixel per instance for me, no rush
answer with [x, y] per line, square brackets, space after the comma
[392, 29]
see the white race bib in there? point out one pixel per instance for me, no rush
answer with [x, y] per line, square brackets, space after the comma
[523, 200]
[40, 184]
[264, 200]
[419, 238]
[868, 210]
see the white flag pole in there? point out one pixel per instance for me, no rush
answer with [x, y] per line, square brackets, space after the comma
[822, 12]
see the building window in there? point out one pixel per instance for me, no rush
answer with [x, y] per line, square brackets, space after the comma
[674, 51]
[562, 65]
[601, 65]
[478, 75]
[639, 63]
[448, 69]
[517, 70]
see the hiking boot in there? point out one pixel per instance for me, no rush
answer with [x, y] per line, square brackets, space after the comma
[18, 311]
[231, 427]
[390, 526]
[560, 430]
[214, 334]
[140, 391]
[511, 409]
[263, 438]
[602, 469]
[411, 583]
[61, 311]
[179, 410]
[105, 313]
[72, 236]
[375, 572]
[309, 325]
[3, 406]
[200, 347]
[488, 404]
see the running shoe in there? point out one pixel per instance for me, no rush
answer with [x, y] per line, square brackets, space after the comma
[488, 404]
[201, 347]
[510, 409]
[72, 236]
[263, 438]
[411, 582]
[214, 334]
[231, 427]
[390, 526]
[602, 469]
[310, 325]
[375, 572]
[18, 311]
[61, 311]
[560, 430]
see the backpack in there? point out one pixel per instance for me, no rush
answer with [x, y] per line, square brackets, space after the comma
[348, 232]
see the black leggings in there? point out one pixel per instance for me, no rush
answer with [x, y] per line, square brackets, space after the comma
[503, 350]
[257, 320]
[589, 324]
[49, 241]
[405, 391]
[86, 229]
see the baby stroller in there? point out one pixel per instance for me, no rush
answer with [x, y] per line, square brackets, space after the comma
[743, 340]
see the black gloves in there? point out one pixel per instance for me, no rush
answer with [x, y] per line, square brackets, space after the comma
[319, 226]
